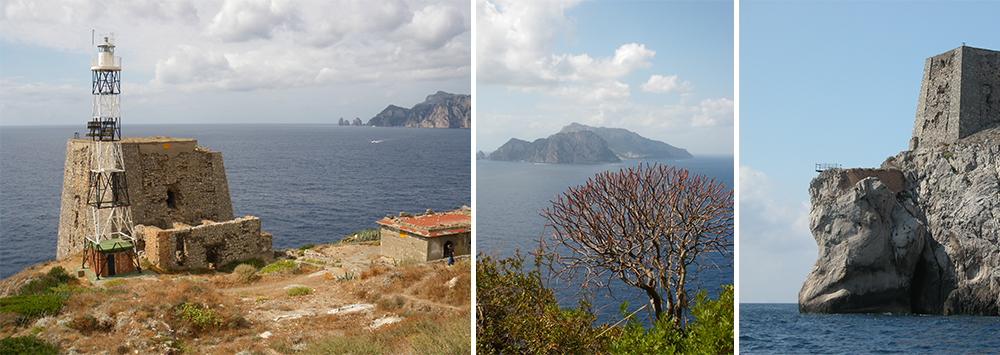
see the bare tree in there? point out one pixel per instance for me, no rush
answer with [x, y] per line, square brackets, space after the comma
[651, 226]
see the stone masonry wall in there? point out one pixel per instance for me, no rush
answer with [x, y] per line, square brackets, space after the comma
[412, 246]
[402, 245]
[959, 96]
[212, 242]
[170, 180]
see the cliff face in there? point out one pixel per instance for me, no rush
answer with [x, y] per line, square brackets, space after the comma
[440, 110]
[574, 147]
[630, 145]
[932, 247]
[921, 234]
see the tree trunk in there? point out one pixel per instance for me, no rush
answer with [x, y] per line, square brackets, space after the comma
[655, 302]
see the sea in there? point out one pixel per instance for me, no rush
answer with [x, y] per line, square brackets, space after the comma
[511, 195]
[779, 328]
[308, 184]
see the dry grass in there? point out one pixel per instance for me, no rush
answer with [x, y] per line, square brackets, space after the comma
[146, 314]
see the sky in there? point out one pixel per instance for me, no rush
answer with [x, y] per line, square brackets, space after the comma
[233, 61]
[827, 82]
[663, 69]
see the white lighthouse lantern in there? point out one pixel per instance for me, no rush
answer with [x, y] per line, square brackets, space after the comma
[106, 59]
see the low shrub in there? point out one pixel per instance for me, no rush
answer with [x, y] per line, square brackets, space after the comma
[31, 306]
[45, 283]
[710, 333]
[201, 318]
[712, 330]
[28, 345]
[231, 266]
[306, 247]
[245, 274]
[507, 295]
[279, 266]
[298, 291]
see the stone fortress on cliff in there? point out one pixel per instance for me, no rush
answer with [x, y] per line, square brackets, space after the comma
[180, 205]
[921, 234]
[958, 96]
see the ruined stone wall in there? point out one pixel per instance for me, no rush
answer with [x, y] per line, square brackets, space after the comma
[211, 244]
[959, 96]
[893, 179]
[170, 180]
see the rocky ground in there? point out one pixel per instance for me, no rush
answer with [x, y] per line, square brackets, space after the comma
[354, 300]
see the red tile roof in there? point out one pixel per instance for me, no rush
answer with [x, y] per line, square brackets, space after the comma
[432, 225]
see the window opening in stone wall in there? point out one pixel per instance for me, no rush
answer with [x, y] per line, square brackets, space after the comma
[212, 254]
[171, 199]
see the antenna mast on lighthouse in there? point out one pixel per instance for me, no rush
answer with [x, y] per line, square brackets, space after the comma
[110, 249]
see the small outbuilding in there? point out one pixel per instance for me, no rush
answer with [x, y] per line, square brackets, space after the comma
[424, 237]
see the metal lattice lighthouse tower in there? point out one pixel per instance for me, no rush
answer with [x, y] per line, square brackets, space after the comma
[110, 249]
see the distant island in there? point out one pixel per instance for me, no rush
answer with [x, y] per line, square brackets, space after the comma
[581, 144]
[440, 110]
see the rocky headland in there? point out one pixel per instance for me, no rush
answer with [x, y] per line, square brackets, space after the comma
[581, 144]
[920, 234]
[440, 110]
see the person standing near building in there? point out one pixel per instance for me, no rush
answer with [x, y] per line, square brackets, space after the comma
[449, 251]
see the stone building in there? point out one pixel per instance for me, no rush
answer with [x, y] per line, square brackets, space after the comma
[959, 96]
[173, 184]
[423, 237]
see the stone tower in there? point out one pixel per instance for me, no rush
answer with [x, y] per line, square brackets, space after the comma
[959, 96]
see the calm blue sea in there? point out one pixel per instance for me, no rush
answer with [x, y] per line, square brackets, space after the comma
[309, 184]
[510, 196]
[779, 328]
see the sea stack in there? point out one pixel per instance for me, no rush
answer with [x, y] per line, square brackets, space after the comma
[920, 234]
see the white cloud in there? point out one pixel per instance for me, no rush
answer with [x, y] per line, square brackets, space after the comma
[608, 90]
[244, 20]
[217, 46]
[437, 24]
[776, 248]
[714, 112]
[515, 41]
[662, 84]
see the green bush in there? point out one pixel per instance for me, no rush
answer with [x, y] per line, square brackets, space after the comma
[245, 274]
[710, 333]
[519, 315]
[28, 345]
[231, 266]
[45, 283]
[278, 266]
[712, 330]
[31, 306]
[201, 318]
[632, 338]
[307, 246]
[298, 291]
[947, 155]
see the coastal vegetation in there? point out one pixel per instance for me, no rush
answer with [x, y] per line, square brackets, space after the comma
[651, 227]
[420, 308]
[507, 293]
